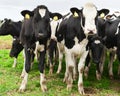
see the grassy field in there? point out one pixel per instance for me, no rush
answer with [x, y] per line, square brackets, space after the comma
[10, 79]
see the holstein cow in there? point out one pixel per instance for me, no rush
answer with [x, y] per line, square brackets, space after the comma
[96, 52]
[9, 27]
[111, 40]
[52, 48]
[78, 28]
[35, 30]
[97, 48]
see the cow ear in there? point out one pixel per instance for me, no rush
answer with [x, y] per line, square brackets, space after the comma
[75, 11]
[55, 16]
[27, 14]
[103, 12]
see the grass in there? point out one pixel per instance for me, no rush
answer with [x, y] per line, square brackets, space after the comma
[10, 80]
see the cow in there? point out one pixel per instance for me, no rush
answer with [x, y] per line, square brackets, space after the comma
[9, 27]
[111, 40]
[53, 48]
[96, 53]
[35, 34]
[77, 29]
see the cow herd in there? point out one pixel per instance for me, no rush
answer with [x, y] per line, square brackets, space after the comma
[82, 35]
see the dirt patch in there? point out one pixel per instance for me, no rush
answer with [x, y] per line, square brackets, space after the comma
[90, 91]
[5, 45]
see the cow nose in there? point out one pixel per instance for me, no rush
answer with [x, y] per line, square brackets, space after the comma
[91, 31]
[96, 61]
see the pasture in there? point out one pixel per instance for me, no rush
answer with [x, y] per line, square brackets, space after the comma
[10, 78]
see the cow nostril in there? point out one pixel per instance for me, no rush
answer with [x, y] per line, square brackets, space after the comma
[90, 32]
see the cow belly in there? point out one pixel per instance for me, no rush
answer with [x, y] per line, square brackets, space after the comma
[77, 49]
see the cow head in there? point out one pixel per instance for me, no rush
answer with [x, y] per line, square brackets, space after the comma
[5, 27]
[41, 22]
[89, 15]
[96, 46]
[16, 47]
[54, 23]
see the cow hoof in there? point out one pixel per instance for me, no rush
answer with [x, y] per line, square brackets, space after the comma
[44, 88]
[65, 80]
[50, 72]
[21, 89]
[69, 87]
[58, 72]
[111, 77]
[86, 75]
[81, 91]
[98, 76]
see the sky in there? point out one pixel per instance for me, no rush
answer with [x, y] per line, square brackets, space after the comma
[11, 8]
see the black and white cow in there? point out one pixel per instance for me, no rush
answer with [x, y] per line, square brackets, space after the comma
[77, 29]
[53, 48]
[96, 53]
[9, 27]
[111, 40]
[35, 31]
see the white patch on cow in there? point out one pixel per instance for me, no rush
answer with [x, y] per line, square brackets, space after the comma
[76, 40]
[43, 82]
[2, 22]
[97, 41]
[53, 24]
[42, 12]
[90, 12]
[40, 47]
[14, 39]
[24, 83]
[118, 28]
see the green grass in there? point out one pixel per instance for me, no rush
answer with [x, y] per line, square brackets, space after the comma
[10, 80]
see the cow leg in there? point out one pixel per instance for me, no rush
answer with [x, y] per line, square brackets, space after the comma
[87, 65]
[110, 65]
[51, 52]
[27, 69]
[98, 73]
[103, 60]
[15, 62]
[70, 66]
[41, 69]
[60, 61]
[23, 71]
[80, 70]
[66, 73]
[32, 58]
[118, 55]
[75, 72]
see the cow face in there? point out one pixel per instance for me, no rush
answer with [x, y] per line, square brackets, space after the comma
[89, 15]
[5, 27]
[16, 47]
[96, 47]
[54, 24]
[41, 22]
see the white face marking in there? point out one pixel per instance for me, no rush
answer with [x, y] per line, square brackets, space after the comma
[42, 12]
[97, 41]
[40, 47]
[90, 12]
[53, 24]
